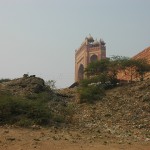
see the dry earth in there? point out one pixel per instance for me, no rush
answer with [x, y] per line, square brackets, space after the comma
[55, 139]
[120, 121]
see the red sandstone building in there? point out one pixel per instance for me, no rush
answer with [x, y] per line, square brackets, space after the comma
[90, 50]
[145, 54]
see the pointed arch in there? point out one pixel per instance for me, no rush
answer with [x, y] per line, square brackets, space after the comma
[93, 58]
[81, 72]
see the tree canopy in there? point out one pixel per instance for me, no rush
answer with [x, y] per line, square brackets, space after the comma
[110, 67]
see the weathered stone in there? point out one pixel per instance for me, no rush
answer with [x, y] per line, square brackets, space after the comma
[25, 86]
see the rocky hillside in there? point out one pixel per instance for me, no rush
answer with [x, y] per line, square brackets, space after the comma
[24, 86]
[123, 114]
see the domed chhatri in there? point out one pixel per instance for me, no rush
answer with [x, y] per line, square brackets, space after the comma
[89, 51]
[102, 42]
[90, 38]
[96, 43]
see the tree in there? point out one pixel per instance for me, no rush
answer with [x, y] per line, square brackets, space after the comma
[51, 84]
[142, 67]
[115, 66]
[106, 69]
[129, 68]
[135, 68]
[97, 67]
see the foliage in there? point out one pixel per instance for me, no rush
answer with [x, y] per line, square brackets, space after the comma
[22, 111]
[111, 67]
[135, 68]
[97, 67]
[142, 68]
[63, 112]
[103, 75]
[4, 80]
[106, 69]
[115, 65]
[40, 109]
[90, 93]
[94, 79]
[68, 112]
[51, 84]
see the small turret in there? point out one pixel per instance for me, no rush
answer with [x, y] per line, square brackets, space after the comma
[96, 43]
[90, 39]
[102, 42]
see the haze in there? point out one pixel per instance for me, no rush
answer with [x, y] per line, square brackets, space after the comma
[40, 36]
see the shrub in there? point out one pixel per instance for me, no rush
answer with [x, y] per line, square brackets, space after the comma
[63, 112]
[59, 118]
[68, 112]
[41, 109]
[51, 84]
[25, 122]
[39, 113]
[16, 110]
[91, 93]
[4, 80]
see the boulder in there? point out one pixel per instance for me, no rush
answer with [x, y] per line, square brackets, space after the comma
[26, 85]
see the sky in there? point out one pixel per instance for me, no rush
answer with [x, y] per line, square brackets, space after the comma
[39, 37]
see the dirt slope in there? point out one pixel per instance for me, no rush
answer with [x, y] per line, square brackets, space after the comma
[123, 114]
[121, 120]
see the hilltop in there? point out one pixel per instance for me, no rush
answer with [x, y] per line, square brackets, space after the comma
[24, 86]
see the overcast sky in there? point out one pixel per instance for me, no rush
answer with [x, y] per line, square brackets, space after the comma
[40, 36]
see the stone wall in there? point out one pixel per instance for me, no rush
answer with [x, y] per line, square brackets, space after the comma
[145, 54]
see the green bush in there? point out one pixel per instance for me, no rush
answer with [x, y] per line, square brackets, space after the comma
[39, 113]
[59, 118]
[91, 93]
[63, 113]
[17, 110]
[40, 109]
[68, 112]
[95, 79]
[25, 122]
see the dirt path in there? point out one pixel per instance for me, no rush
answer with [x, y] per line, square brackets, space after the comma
[52, 139]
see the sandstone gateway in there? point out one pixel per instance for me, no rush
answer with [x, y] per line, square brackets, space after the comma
[89, 51]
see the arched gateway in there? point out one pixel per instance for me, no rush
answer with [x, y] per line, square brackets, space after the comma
[89, 51]
[93, 58]
[81, 72]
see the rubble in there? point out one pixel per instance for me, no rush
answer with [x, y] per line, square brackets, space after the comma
[25, 85]
[124, 113]
[122, 116]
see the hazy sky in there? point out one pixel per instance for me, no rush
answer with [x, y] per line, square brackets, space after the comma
[40, 36]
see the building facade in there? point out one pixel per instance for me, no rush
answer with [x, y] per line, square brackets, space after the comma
[89, 51]
[144, 54]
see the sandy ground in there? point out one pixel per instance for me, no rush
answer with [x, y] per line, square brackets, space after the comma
[51, 139]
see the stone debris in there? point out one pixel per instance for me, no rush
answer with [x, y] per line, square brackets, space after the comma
[24, 86]
[124, 114]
